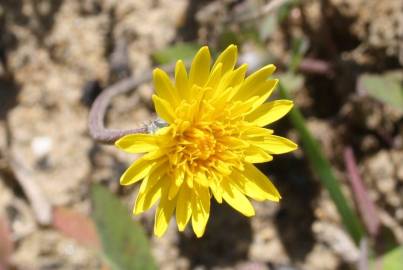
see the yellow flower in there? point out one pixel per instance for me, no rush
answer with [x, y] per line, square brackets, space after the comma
[215, 118]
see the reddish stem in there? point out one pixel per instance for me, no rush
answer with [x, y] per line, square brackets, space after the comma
[365, 206]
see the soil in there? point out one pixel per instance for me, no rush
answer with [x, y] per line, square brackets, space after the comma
[56, 56]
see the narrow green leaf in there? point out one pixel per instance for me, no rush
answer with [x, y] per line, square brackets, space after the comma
[393, 260]
[387, 88]
[323, 169]
[124, 242]
[183, 51]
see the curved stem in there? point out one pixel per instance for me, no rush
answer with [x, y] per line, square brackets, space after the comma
[96, 125]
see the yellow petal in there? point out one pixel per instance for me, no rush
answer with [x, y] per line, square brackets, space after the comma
[255, 82]
[242, 108]
[147, 198]
[200, 209]
[265, 92]
[230, 79]
[256, 180]
[164, 212]
[137, 143]
[195, 94]
[164, 87]
[223, 167]
[276, 145]
[239, 75]
[262, 181]
[183, 207]
[235, 198]
[164, 131]
[200, 67]
[214, 77]
[201, 179]
[157, 170]
[175, 185]
[255, 154]
[216, 189]
[233, 142]
[269, 112]
[164, 109]
[181, 79]
[247, 187]
[255, 133]
[137, 171]
[227, 58]
[221, 100]
[154, 154]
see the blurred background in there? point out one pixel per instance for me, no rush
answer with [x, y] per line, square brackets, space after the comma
[61, 206]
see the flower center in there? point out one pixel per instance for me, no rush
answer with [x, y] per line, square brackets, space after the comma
[199, 144]
[204, 146]
[197, 147]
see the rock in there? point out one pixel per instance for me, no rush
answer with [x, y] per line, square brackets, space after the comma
[386, 185]
[48, 249]
[320, 258]
[337, 239]
[399, 215]
[251, 266]
[397, 157]
[41, 146]
[374, 22]
[381, 171]
[393, 199]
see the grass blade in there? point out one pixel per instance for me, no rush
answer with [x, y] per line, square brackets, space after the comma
[323, 169]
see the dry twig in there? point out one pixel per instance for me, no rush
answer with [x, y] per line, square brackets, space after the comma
[99, 108]
[316, 66]
[40, 205]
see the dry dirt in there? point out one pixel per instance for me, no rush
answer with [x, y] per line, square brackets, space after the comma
[51, 50]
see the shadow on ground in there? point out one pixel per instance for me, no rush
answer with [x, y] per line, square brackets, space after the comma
[296, 214]
[226, 241]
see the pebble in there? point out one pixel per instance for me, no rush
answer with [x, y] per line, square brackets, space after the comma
[399, 214]
[397, 157]
[337, 240]
[385, 185]
[380, 165]
[393, 199]
[41, 146]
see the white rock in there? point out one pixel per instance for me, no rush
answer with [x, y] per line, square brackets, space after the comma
[41, 146]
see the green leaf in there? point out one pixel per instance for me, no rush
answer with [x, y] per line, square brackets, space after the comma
[183, 51]
[393, 260]
[322, 168]
[387, 88]
[124, 242]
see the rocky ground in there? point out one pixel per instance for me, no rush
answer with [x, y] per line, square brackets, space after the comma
[52, 52]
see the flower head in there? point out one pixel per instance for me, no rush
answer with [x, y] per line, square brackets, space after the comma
[215, 132]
